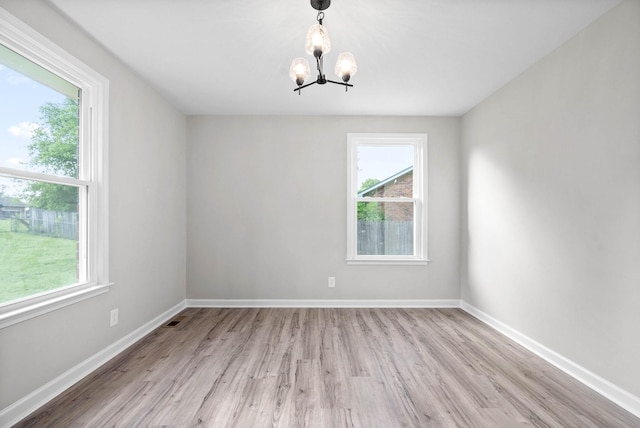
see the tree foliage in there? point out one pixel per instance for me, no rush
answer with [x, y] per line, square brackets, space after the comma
[370, 211]
[369, 182]
[54, 150]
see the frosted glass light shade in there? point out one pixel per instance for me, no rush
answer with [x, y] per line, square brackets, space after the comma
[299, 70]
[317, 43]
[346, 66]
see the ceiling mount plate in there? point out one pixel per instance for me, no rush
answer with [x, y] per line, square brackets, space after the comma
[320, 4]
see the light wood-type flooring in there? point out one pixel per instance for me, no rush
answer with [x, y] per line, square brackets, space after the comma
[328, 368]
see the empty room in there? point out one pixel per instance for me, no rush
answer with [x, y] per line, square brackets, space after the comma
[315, 213]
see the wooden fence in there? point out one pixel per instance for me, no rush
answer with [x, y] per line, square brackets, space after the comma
[385, 237]
[61, 224]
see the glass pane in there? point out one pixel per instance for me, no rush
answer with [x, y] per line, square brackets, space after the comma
[38, 118]
[385, 228]
[38, 237]
[385, 171]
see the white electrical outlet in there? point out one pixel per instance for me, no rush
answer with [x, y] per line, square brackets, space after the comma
[332, 281]
[114, 317]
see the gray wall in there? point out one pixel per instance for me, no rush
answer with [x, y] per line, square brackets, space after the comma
[147, 223]
[552, 189]
[267, 210]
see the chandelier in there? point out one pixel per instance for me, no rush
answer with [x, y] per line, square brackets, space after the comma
[318, 44]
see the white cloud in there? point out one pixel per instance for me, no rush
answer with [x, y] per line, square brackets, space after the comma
[14, 78]
[23, 129]
[17, 79]
[14, 161]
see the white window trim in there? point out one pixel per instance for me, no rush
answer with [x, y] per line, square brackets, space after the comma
[95, 89]
[419, 143]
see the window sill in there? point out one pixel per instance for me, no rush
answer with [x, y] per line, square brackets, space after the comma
[18, 312]
[387, 262]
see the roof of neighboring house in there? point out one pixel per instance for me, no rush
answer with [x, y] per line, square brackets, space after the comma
[11, 202]
[385, 181]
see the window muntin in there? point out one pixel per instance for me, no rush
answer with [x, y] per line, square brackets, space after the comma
[52, 192]
[386, 216]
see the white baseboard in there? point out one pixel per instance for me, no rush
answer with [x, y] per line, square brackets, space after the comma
[335, 303]
[622, 398]
[38, 398]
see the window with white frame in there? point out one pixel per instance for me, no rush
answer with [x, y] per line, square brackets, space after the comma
[386, 210]
[53, 181]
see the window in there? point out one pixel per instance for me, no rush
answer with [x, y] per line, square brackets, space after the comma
[53, 188]
[386, 213]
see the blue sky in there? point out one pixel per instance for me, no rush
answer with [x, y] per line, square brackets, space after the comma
[382, 161]
[20, 99]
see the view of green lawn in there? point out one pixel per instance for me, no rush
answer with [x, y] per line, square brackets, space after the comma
[31, 264]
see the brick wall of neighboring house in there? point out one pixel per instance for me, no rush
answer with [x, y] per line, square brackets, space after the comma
[399, 187]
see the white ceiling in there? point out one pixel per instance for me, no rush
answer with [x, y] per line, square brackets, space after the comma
[415, 57]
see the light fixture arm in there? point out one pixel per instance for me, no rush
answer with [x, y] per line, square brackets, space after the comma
[322, 79]
[346, 85]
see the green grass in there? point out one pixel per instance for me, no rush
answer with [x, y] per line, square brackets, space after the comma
[32, 264]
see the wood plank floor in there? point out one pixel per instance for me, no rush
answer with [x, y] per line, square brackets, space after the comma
[328, 368]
